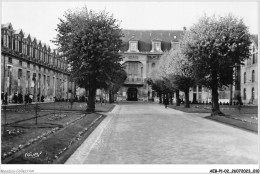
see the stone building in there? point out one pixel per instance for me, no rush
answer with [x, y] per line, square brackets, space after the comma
[29, 66]
[249, 75]
[142, 50]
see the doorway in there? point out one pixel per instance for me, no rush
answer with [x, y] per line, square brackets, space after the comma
[132, 94]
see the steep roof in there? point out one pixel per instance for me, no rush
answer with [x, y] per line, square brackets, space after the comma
[255, 39]
[7, 25]
[145, 38]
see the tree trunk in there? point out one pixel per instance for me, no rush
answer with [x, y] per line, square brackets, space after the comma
[160, 97]
[187, 102]
[91, 100]
[177, 98]
[215, 104]
[171, 102]
[111, 97]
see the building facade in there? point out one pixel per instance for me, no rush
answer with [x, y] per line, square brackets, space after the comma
[29, 66]
[141, 53]
[249, 75]
[144, 48]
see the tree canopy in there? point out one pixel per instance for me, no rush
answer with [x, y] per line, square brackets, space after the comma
[215, 45]
[90, 41]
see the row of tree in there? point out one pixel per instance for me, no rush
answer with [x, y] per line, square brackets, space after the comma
[208, 53]
[209, 50]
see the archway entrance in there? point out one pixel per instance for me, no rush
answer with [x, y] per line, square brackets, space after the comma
[132, 94]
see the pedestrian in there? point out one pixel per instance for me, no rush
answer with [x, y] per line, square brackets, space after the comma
[239, 103]
[2, 97]
[166, 102]
[26, 98]
[5, 100]
[20, 98]
[30, 98]
[15, 97]
[42, 98]
[38, 98]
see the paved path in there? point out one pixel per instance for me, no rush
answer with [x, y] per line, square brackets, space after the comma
[143, 133]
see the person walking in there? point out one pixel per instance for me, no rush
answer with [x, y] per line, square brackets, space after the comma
[30, 98]
[166, 102]
[2, 97]
[5, 100]
[42, 98]
[26, 98]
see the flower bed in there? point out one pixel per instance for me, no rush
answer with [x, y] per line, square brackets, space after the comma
[12, 132]
[53, 148]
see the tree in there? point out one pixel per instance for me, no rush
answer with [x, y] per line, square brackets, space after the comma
[117, 80]
[90, 41]
[180, 72]
[215, 45]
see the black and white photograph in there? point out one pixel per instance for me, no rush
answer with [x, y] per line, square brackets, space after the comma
[115, 86]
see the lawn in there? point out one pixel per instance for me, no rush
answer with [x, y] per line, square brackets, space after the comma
[246, 117]
[63, 124]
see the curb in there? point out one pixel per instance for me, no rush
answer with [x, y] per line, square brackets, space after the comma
[83, 151]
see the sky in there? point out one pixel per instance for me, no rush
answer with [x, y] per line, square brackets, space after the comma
[40, 19]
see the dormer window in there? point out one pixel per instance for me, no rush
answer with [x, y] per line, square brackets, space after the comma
[175, 45]
[156, 46]
[133, 46]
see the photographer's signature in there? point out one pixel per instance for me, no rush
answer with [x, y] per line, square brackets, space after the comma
[32, 155]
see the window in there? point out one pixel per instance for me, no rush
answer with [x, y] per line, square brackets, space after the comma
[175, 45]
[13, 44]
[28, 65]
[141, 72]
[244, 93]
[48, 80]
[244, 77]
[27, 75]
[253, 48]
[153, 65]
[200, 88]
[10, 42]
[10, 60]
[195, 89]
[9, 71]
[44, 81]
[2, 40]
[253, 94]
[34, 53]
[20, 63]
[28, 50]
[34, 67]
[253, 75]
[156, 46]
[20, 73]
[20, 47]
[254, 59]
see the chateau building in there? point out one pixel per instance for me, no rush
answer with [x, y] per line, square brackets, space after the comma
[29, 66]
[143, 49]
